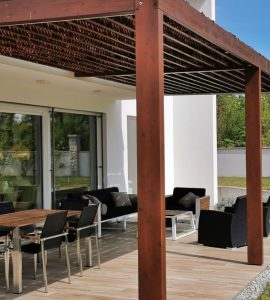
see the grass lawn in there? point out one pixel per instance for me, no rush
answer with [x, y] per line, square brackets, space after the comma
[241, 182]
[266, 294]
[72, 181]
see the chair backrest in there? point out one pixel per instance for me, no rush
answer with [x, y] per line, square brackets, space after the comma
[240, 206]
[180, 192]
[239, 224]
[6, 208]
[73, 204]
[87, 217]
[268, 202]
[54, 225]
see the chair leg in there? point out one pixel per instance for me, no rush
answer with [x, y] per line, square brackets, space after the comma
[89, 262]
[97, 246]
[7, 263]
[79, 254]
[35, 265]
[124, 223]
[46, 258]
[44, 267]
[67, 259]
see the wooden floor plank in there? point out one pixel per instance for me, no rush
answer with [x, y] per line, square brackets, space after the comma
[193, 272]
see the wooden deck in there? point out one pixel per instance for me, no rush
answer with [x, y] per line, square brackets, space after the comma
[193, 272]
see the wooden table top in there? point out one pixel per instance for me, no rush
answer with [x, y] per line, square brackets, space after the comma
[173, 213]
[30, 217]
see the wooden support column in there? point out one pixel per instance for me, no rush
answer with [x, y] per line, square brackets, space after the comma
[254, 166]
[150, 140]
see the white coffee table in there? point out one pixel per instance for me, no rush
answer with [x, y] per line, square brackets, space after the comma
[174, 216]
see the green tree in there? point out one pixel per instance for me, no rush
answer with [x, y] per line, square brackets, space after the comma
[66, 124]
[230, 121]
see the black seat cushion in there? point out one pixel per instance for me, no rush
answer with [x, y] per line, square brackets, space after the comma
[115, 212]
[31, 248]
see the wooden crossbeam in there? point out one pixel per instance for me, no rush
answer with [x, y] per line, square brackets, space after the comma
[192, 19]
[37, 11]
[178, 71]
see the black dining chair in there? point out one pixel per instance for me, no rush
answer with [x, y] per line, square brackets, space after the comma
[6, 208]
[4, 250]
[85, 229]
[51, 237]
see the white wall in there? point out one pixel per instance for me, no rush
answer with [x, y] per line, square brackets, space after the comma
[27, 83]
[190, 129]
[194, 119]
[195, 143]
[208, 7]
[232, 162]
[132, 154]
[190, 136]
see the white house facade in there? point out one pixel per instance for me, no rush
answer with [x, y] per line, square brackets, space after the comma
[190, 124]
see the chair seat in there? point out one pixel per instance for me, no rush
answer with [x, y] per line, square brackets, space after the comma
[31, 248]
[71, 237]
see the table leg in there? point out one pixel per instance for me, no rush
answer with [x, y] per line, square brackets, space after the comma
[88, 252]
[192, 222]
[17, 261]
[174, 228]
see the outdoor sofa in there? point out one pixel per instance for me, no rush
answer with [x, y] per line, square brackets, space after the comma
[190, 199]
[107, 210]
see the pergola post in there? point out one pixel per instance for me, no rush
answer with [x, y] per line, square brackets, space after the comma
[150, 140]
[254, 166]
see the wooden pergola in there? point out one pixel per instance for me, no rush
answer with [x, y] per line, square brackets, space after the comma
[161, 47]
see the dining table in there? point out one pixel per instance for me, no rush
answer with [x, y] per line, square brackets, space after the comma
[19, 220]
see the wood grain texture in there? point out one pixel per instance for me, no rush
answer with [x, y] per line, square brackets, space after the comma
[150, 149]
[254, 166]
[191, 18]
[29, 217]
[193, 272]
[37, 11]
[205, 203]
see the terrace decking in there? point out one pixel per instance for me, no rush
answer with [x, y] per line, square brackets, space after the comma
[193, 272]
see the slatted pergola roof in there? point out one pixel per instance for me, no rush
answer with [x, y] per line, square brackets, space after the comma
[161, 47]
[105, 47]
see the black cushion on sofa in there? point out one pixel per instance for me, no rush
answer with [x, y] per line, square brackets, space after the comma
[188, 201]
[121, 199]
[133, 199]
[104, 195]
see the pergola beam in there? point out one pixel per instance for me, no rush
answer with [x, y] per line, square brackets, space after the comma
[37, 11]
[180, 71]
[192, 19]
[150, 137]
[254, 166]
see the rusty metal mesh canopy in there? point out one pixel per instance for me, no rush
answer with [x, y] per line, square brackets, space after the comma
[105, 48]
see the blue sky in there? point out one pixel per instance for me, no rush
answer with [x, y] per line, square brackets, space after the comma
[249, 20]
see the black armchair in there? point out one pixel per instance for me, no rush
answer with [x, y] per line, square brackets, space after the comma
[224, 229]
[266, 216]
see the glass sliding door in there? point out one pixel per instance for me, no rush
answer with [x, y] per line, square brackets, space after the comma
[74, 143]
[21, 160]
